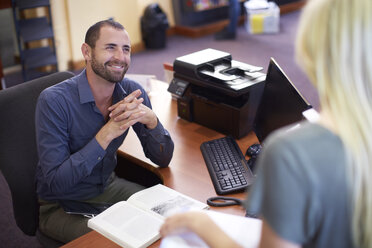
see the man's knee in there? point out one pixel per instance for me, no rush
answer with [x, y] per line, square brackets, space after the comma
[122, 189]
[57, 224]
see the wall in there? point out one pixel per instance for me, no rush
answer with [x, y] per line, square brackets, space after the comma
[72, 18]
[8, 38]
[61, 33]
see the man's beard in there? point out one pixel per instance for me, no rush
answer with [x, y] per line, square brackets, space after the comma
[106, 74]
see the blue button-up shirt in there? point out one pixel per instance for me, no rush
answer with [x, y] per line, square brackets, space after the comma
[72, 165]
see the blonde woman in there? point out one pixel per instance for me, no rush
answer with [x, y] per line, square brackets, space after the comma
[314, 184]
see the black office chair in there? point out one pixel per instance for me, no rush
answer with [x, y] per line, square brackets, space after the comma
[18, 154]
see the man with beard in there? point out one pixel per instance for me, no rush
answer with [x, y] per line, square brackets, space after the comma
[81, 123]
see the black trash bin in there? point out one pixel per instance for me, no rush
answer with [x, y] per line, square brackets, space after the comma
[154, 24]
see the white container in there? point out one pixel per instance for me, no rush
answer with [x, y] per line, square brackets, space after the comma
[262, 17]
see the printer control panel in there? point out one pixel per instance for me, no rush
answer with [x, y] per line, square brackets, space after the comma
[178, 87]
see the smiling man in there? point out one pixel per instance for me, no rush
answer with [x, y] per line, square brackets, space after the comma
[81, 123]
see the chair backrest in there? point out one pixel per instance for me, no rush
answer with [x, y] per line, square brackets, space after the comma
[18, 152]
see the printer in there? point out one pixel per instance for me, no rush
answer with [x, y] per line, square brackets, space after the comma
[216, 91]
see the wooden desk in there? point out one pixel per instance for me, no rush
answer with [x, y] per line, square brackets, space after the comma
[186, 173]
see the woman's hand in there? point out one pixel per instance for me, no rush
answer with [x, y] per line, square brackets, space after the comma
[202, 225]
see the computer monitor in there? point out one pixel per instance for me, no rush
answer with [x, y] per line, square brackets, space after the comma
[281, 103]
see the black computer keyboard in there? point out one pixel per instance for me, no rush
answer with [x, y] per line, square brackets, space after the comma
[226, 165]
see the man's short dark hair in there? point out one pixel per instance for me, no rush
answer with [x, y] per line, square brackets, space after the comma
[93, 32]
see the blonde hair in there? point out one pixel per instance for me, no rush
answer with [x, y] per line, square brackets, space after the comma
[334, 47]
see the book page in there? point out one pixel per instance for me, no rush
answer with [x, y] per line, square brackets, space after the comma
[164, 201]
[243, 230]
[127, 225]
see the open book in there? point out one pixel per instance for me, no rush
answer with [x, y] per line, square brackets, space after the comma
[136, 222]
[243, 230]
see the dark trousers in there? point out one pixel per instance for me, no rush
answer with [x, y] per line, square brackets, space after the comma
[57, 224]
[234, 14]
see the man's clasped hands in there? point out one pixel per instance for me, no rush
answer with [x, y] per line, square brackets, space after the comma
[124, 114]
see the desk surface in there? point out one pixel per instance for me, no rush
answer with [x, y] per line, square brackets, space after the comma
[187, 172]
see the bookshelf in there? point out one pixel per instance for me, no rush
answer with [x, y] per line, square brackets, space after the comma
[193, 13]
[193, 22]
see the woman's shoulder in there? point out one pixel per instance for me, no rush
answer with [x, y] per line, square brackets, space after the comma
[305, 133]
[308, 147]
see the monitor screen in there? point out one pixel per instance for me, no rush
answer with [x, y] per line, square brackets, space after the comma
[281, 103]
